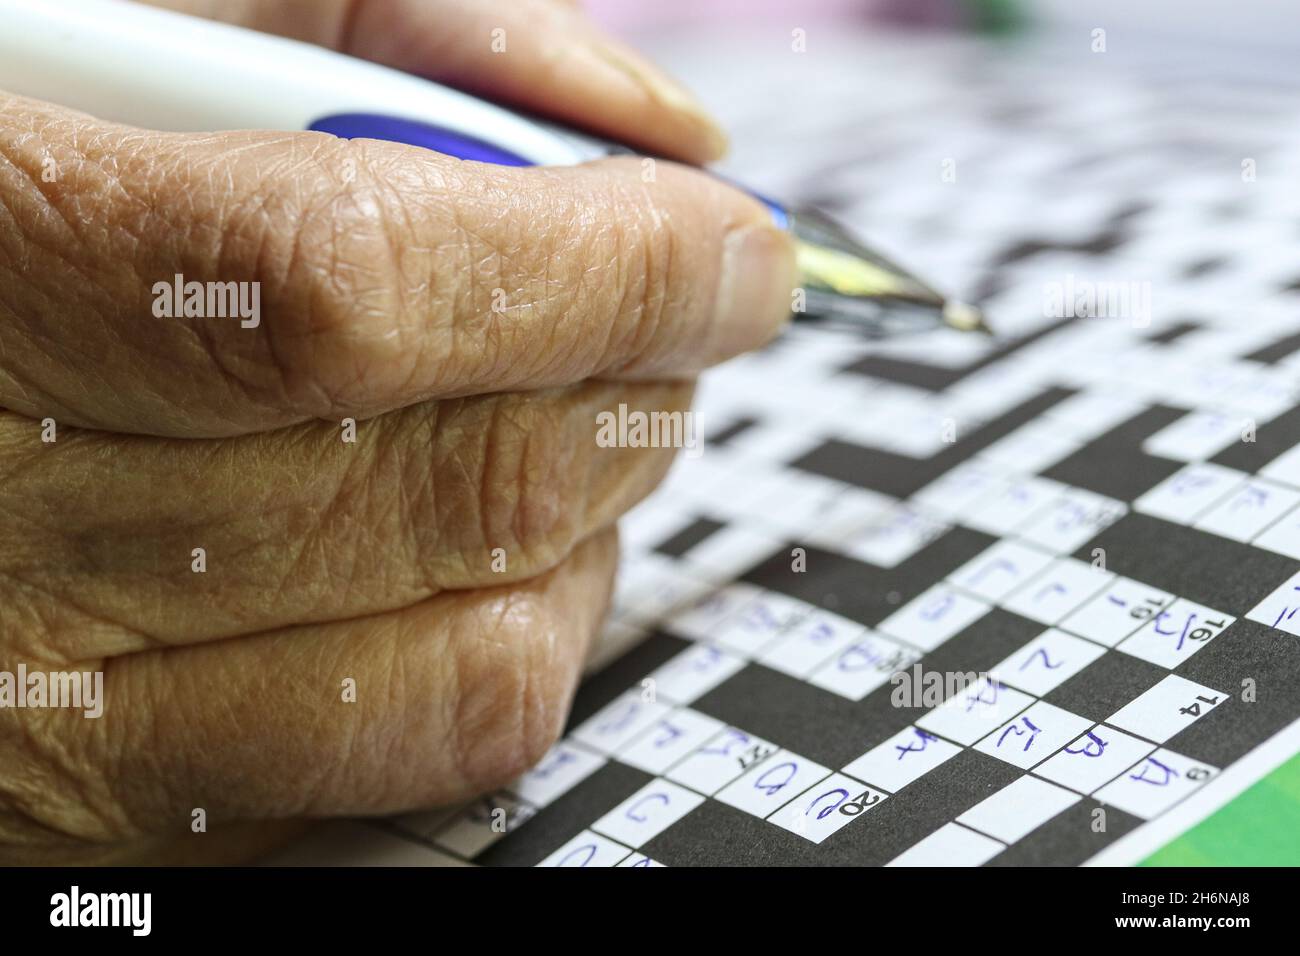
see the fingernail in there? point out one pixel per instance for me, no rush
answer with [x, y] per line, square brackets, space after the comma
[755, 283]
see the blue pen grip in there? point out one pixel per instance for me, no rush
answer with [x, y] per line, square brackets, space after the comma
[451, 143]
[415, 133]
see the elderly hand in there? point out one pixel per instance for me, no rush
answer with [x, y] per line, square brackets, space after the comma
[348, 558]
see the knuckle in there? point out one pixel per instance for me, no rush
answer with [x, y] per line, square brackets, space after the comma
[642, 281]
[512, 690]
[140, 743]
[651, 297]
[505, 470]
[525, 461]
[337, 300]
[54, 789]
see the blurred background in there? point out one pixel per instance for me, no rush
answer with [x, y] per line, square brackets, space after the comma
[990, 143]
[1265, 23]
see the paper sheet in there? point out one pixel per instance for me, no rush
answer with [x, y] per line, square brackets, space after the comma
[1081, 542]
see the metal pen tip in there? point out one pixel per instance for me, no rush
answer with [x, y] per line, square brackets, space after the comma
[843, 280]
[964, 317]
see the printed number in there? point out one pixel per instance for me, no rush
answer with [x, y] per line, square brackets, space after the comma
[1194, 709]
[1146, 610]
[754, 754]
[859, 803]
[1204, 632]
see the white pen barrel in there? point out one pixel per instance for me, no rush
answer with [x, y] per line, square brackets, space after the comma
[156, 69]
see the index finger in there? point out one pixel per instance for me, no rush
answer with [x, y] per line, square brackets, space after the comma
[544, 56]
[384, 275]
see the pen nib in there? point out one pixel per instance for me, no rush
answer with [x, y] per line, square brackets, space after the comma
[844, 281]
[964, 317]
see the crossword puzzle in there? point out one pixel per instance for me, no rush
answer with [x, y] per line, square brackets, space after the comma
[1096, 518]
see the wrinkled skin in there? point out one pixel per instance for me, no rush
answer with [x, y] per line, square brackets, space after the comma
[328, 560]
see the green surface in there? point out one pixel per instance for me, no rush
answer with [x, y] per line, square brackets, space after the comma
[1261, 827]
[996, 16]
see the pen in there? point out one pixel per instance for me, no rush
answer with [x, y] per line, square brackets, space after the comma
[157, 69]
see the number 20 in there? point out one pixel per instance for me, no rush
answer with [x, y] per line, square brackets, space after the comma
[859, 803]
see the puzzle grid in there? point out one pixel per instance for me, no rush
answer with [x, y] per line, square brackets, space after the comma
[1097, 520]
